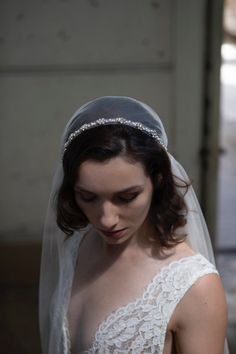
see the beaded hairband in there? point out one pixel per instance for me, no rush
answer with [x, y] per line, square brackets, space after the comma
[119, 120]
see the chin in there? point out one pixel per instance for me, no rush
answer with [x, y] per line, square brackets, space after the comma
[115, 241]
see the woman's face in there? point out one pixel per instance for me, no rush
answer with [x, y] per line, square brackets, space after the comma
[115, 196]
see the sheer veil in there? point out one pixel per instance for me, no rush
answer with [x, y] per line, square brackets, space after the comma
[107, 110]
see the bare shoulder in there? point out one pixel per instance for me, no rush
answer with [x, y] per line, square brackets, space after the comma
[206, 294]
[184, 248]
[202, 316]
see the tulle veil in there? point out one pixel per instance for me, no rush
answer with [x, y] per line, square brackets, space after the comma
[102, 111]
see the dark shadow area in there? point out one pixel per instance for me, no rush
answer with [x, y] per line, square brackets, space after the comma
[19, 274]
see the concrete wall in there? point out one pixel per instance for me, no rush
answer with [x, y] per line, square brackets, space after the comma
[56, 55]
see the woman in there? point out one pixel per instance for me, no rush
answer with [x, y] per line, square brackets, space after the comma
[127, 265]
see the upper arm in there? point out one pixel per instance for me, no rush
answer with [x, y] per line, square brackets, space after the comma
[201, 318]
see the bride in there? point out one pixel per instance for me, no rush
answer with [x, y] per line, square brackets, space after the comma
[127, 264]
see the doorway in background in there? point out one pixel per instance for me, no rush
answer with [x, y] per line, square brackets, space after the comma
[226, 220]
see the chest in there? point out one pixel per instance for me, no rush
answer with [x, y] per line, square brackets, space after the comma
[99, 292]
[115, 306]
[126, 309]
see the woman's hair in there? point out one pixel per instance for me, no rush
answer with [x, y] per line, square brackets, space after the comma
[168, 210]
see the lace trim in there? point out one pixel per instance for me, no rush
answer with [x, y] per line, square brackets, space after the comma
[142, 323]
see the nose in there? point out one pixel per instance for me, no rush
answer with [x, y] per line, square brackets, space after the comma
[109, 216]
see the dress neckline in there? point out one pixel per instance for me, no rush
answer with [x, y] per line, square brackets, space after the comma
[114, 313]
[112, 316]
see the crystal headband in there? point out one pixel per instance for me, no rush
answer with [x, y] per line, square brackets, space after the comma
[119, 120]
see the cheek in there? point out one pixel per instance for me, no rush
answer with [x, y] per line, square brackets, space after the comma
[140, 208]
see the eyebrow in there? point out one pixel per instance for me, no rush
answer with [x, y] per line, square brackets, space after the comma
[126, 190]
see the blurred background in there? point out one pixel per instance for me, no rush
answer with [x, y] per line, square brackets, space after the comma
[179, 56]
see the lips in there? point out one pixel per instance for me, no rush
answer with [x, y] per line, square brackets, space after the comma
[115, 233]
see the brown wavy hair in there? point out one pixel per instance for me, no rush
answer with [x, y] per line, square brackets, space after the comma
[168, 210]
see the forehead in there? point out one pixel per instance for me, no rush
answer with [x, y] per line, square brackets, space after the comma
[112, 175]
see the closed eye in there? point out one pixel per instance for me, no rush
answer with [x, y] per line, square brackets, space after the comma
[86, 197]
[119, 197]
[128, 198]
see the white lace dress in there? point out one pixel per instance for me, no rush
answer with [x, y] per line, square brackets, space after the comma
[140, 326]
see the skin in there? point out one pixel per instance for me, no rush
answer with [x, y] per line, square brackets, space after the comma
[200, 319]
[116, 195]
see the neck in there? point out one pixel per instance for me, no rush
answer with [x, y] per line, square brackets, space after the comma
[136, 246]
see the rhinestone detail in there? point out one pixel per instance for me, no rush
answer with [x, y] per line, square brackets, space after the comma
[119, 120]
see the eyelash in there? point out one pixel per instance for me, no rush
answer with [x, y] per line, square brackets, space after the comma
[124, 200]
[128, 199]
[86, 199]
